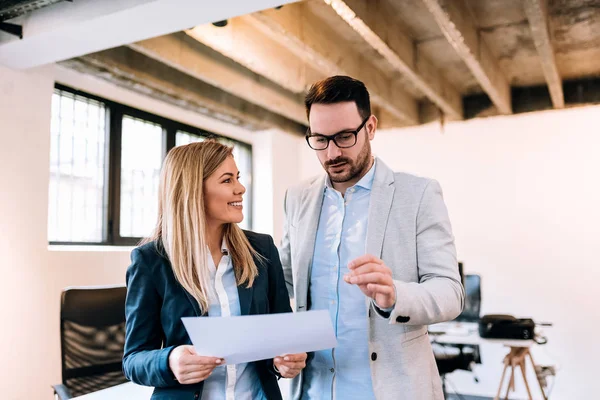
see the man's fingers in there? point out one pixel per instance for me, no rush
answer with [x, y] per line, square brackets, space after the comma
[371, 267]
[372, 277]
[380, 289]
[367, 258]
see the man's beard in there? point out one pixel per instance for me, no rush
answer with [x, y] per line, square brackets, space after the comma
[356, 169]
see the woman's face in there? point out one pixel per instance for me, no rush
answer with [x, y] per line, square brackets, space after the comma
[223, 195]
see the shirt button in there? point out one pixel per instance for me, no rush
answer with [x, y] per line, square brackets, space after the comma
[332, 370]
[373, 356]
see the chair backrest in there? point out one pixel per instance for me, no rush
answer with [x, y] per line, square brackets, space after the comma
[472, 308]
[92, 332]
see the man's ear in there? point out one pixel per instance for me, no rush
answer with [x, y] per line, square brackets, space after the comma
[372, 127]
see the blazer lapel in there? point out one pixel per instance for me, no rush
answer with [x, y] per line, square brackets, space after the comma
[245, 295]
[311, 203]
[382, 194]
[194, 303]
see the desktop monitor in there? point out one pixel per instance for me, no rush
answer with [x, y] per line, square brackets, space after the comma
[470, 313]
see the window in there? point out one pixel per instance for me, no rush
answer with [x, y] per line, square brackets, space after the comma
[78, 161]
[141, 159]
[105, 161]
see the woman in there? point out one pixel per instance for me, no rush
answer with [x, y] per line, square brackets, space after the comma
[200, 263]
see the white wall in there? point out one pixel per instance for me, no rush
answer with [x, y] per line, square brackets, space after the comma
[277, 166]
[33, 275]
[523, 194]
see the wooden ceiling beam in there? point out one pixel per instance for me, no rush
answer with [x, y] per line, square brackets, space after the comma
[377, 26]
[185, 54]
[456, 23]
[296, 28]
[127, 68]
[537, 14]
[241, 42]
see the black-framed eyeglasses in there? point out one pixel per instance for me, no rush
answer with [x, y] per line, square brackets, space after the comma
[343, 140]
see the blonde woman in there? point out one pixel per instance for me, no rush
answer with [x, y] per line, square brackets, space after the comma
[200, 263]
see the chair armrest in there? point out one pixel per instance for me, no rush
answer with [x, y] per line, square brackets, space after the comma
[62, 392]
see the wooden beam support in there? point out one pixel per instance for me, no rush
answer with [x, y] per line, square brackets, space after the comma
[377, 26]
[241, 42]
[185, 54]
[455, 21]
[132, 70]
[537, 14]
[296, 28]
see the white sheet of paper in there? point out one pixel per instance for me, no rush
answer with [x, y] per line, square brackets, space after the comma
[258, 337]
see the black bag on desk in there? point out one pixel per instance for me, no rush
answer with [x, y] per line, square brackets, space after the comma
[506, 327]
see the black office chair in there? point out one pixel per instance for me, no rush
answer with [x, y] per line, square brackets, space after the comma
[92, 335]
[452, 357]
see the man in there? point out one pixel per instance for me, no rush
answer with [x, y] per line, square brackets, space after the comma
[373, 247]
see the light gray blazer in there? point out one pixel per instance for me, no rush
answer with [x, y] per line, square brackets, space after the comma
[410, 231]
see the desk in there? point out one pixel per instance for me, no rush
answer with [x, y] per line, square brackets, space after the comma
[467, 333]
[128, 391]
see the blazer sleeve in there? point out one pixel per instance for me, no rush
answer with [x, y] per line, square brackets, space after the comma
[144, 361]
[439, 295]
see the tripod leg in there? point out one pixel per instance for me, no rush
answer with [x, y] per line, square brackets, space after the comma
[522, 365]
[511, 380]
[536, 377]
[502, 378]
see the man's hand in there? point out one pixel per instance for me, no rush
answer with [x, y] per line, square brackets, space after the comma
[374, 279]
[290, 365]
[188, 367]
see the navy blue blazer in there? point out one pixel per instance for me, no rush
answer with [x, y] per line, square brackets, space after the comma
[156, 302]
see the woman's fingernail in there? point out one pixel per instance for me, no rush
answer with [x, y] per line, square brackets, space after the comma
[286, 358]
[218, 361]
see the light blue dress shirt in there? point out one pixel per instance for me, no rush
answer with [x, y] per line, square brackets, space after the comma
[344, 372]
[228, 382]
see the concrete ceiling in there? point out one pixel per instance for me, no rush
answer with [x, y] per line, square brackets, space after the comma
[421, 59]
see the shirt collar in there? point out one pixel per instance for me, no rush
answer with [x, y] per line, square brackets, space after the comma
[366, 182]
[224, 248]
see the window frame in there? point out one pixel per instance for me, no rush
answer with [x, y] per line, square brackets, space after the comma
[112, 175]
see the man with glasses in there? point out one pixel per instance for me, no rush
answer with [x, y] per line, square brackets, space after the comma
[374, 248]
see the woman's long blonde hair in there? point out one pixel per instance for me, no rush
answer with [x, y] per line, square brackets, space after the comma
[181, 226]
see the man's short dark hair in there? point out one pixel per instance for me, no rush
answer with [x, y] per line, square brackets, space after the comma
[338, 89]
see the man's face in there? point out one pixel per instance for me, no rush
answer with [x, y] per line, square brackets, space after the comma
[342, 165]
